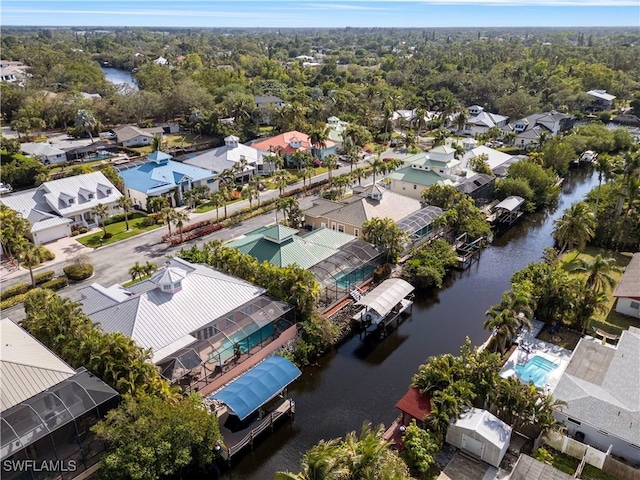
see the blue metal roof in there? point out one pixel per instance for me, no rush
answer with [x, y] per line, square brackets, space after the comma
[152, 175]
[257, 386]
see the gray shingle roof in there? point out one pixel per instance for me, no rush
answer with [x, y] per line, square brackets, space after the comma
[629, 285]
[602, 386]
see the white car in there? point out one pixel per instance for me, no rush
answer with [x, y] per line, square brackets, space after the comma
[108, 135]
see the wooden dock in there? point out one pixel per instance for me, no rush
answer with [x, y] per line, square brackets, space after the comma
[232, 445]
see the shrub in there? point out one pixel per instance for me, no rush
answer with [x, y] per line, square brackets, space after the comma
[382, 272]
[107, 236]
[78, 271]
[57, 283]
[44, 277]
[119, 217]
[150, 220]
[17, 289]
[47, 254]
[10, 302]
[75, 232]
[83, 230]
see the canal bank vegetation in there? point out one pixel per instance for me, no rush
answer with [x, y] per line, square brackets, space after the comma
[529, 180]
[429, 264]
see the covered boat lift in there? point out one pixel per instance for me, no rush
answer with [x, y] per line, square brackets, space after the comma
[245, 397]
[384, 304]
[508, 210]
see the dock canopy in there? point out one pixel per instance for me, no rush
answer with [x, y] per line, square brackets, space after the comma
[256, 387]
[510, 204]
[387, 295]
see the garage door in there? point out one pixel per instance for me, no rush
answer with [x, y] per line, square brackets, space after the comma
[51, 234]
[472, 446]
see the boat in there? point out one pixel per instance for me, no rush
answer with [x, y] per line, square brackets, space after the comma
[389, 301]
[5, 188]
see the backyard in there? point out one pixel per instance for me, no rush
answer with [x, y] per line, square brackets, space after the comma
[119, 231]
[608, 320]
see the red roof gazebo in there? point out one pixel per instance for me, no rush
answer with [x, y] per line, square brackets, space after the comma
[414, 405]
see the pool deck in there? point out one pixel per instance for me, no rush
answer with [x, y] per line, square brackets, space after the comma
[528, 347]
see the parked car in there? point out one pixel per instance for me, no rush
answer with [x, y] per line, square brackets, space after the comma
[393, 143]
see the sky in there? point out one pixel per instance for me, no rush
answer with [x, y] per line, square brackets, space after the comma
[315, 13]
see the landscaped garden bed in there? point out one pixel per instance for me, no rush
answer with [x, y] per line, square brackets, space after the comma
[190, 232]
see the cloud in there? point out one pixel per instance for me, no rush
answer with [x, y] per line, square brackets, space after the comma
[147, 12]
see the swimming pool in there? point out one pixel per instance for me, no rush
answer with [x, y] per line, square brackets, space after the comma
[346, 279]
[536, 370]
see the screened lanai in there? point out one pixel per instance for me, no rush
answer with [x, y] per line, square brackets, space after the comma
[353, 264]
[55, 424]
[220, 344]
[419, 226]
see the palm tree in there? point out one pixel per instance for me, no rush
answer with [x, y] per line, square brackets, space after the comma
[168, 214]
[342, 182]
[377, 165]
[159, 143]
[125, 203]
[318, 138]
[13, 229]
[30, 255]
[603, 167]
[149, 268]
[155, 204]
[330, 162]
[322, 462]
[359, 173]
[575, 228]
[598, 272]
[251, 193]
[280, 180]
[136, 271]
[504, 325]
[461, 120]
[216, 200]
[86, 121]
[179, 218]
[101, 210]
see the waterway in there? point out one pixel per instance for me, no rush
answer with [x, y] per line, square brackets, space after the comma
[117, 77]
[360, 382]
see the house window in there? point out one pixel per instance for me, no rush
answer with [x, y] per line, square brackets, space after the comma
[323, 225]
[356, 232]
[71, 201]
[211, 180]
[572, 420]
[109, 191]
[415, 187]
[341, 228]
[603, 432]
[635, 305]
[91, 195]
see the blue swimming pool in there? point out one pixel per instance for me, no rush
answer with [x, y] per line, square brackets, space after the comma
[346, 279]
[536, 370]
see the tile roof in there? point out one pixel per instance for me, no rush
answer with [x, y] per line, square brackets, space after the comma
[153, 178]
[285, 139]
[416, 404]
[27, 367]
[601, 385]
[629, 285]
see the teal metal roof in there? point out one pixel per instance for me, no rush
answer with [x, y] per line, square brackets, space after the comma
[419, 177]
[328, 238]
[279, 232]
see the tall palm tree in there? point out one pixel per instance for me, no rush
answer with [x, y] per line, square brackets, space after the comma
[250, 193]
[504, 325]
[216, 200]
[322, 462]
[377, 165]
[13, 229]
[280, 180]
[179, 218]
[168, 214]
[136, 271]
[101, 210]
[86, 121]
[155, 204]
[125, 203]
[575, 228]
[318, 138]
[330, 162]
[461, 120]
[358, 174]
[603, 167]
[598, 272]
[308, 172]
[159, 143]
[30, 255]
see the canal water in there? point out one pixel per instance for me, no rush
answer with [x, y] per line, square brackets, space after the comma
[360, 382]
[117, 77]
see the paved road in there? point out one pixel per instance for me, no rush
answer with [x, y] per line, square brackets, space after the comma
[112, 262]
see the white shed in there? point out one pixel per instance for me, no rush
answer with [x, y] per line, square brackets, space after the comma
[481, 434]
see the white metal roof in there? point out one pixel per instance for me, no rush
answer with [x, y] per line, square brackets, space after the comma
[487, 425]
[386, 295]
[26, 366]
[510, 203]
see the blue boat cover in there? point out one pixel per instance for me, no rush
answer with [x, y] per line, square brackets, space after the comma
[256, 387]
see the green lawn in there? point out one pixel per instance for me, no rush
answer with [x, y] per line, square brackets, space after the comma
[568, 465]
[119, 232]
[608, 320]
[207, 207]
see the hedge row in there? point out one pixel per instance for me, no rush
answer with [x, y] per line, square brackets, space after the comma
[44, 277]
[17, 289]
[10, 302]
[78, 271]
[201, 231]
[56, 283]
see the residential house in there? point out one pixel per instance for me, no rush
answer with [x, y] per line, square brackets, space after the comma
[531, 129]
[267, 105]
[479, 121]
[404, 118]
[438, 166]
[46, 153]
[12, 72]
[479, 187]
[130, 136]
[600, 100]
[493, 157]
[601, 386]
[161, 61]
[291, 142]
[47, 410]
[366, 203]
[197, 321]
[230, 155]
[55, 206]
[627, 292]
[338, 260]
[161, 176]
[336, 129]
[481, 434]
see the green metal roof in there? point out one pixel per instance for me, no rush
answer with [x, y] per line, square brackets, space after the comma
[419, 177]
[304, 251]
[279, 232]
